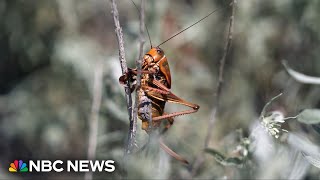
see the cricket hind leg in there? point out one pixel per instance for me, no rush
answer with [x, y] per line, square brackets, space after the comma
[171, 152]
[151, 146]
[165, 147]
[164, 94]
[165, 129]
[170, 121]
[172, 98]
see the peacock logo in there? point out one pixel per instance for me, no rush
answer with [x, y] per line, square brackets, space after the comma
[18, 166]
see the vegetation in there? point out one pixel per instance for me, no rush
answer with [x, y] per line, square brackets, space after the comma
[59, 87]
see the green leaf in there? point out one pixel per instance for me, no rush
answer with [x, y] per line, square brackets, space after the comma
[301, 77]
[226, 161]
[316, 127]
[309, 116]
[303, 144]
[216, 154]
[234, 161]
[312, 159]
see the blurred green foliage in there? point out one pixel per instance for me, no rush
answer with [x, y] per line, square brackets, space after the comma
[49, 50]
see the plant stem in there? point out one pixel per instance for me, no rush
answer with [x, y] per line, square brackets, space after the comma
[94, 117]
[123, 63]
[216, 99]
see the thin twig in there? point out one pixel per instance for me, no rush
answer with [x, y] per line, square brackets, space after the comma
[220, 77]
[263, 112]
[139, 64]
[94, 117]
[216, 98]
[123, 63]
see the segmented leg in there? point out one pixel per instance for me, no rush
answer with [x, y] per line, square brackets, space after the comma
[170, 97]
[164, 146]
[171, 152]
[166, 128]
[155, 90]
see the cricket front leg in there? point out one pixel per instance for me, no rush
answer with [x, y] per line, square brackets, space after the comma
[132, 73]
[131, 76]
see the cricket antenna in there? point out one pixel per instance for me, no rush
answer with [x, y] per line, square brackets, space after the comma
[212, 12]
[143, 23]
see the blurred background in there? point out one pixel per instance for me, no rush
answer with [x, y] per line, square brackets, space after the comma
[53, 50]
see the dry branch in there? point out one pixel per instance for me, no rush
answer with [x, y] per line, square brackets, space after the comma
[216, 99]
[139, 63]
[222, 62]
[130, 141]
[94, 116]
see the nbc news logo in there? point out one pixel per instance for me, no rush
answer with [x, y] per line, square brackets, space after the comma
[18, 166]
[58, 166]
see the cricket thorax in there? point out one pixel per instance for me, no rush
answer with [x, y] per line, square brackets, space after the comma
[154, 67]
